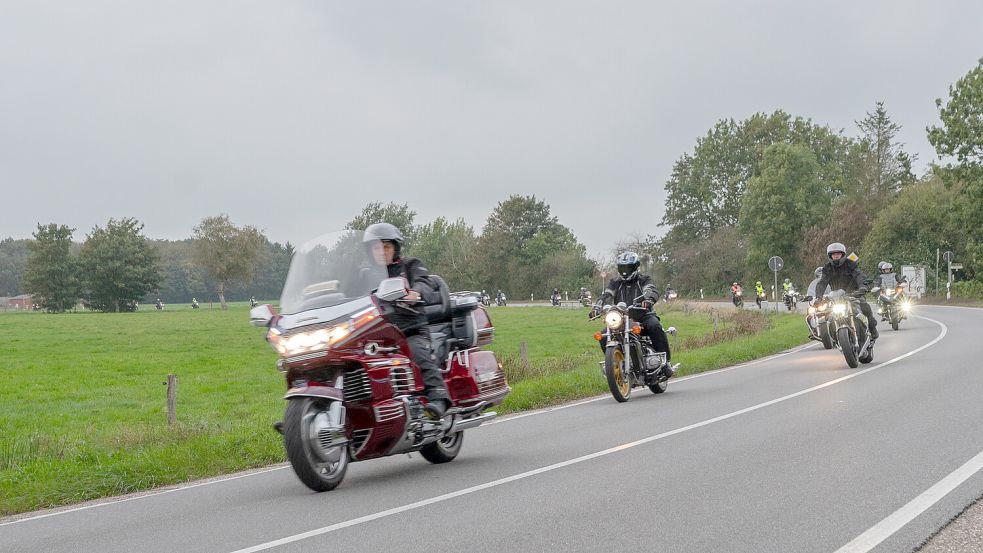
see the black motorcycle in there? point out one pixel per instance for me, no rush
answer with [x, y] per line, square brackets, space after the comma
[892, 304]
[791, 299]
[630, 360]
[501, 300]
[555, 300]
[847, 328]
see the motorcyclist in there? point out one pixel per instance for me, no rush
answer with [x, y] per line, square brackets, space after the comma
[410, 321]
[159, 305]
[625, 288]
[194, 303]
[669, 292]
[812, 286]
[844, 274]
[555, 296]
[759, 293]
[888, 279]
[787, 285]
[252, 301]
[500, 297]
[736, 290]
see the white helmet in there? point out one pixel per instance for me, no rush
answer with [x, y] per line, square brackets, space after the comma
[836, 247]
[885, 267]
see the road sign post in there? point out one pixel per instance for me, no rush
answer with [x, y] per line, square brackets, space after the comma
[775, 264]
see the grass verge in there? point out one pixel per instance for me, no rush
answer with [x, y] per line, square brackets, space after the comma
[83, 412]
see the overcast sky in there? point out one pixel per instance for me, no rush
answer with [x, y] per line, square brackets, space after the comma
[292, 115]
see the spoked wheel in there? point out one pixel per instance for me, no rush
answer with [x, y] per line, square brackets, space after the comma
[843, 337]
[320, 469]
[618, 380]
[443, 450]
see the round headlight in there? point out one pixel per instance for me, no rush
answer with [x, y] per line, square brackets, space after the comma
[614, 319]
[839, 309]
[812, 310]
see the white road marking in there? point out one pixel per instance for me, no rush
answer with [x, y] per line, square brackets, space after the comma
[885, 528]
[588, 457]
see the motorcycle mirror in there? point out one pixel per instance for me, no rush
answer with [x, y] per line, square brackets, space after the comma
[261, 315]
[875, 289]
[808, 298]
[391, 289]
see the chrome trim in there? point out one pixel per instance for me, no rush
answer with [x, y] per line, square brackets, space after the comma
[305, 357]
[388, 411]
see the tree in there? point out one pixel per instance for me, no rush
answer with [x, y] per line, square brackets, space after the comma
[780, 203]
[918, 222]
[886, 166]
[13, 261]
[961, 137]
[399, 215]
[706, 188]
[119, 266]
[227, 252]
[449, 250]
[51, 273]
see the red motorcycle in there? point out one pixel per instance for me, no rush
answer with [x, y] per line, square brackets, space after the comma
[354, 392]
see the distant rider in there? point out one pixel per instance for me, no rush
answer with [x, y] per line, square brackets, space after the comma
[413, 323]
[844, 274]
[736, 291]
[812, 287]
[888, 279]
[759, 293]
[625, 288]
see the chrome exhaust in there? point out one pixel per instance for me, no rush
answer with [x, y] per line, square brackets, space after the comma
[472, 422]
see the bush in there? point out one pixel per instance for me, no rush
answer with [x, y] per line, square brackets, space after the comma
[968, 289]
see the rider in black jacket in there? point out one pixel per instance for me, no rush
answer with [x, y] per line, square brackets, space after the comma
[413, 322]
[628, 286]
[844, 274]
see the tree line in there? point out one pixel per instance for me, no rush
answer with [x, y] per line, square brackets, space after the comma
[522, 250]
[774, 184]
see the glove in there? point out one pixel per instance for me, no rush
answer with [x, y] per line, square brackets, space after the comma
[594, 312]
[647, 304]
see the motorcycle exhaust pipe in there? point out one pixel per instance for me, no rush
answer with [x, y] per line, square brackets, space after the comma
[472, 422]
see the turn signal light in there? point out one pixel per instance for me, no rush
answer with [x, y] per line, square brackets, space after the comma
[598, 336]
[636, 330]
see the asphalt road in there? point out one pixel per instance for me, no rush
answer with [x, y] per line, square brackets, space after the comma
[793, 453]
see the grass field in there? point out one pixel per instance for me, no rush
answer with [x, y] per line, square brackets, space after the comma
[83, 408]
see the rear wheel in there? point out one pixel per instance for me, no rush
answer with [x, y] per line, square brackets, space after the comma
[319, 469]
[844, 338]
[443, 450]
[614, 369]
[659, 387]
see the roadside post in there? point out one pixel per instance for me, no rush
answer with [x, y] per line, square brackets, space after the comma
[171, 399]
[775, 264]
[947, 257]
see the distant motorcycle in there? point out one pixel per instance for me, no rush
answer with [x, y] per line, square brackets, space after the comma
[892, 305]
[791, 299]
[737, 298]
[630, 360]
[587, 299]
[848, 328]
[501, 300]
[555, 300]
[159, 305]
[253, 302]
[485, 299]
[669, 295]
[194, 303]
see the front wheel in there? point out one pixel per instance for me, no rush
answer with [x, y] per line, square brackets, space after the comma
[614, 369]
[443, 450]
[846, 343]
[895, 320]
[319, 469]
[824, 336]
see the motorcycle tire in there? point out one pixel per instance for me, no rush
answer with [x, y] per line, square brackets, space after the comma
[659, 387]
[843, 337]
[824, 337]
[895, 321]
[618, 381]
[296, 440]
[867, 357]
[443, 450]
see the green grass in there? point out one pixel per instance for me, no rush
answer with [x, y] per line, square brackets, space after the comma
[83, 411]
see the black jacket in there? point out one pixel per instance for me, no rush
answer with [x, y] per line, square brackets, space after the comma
[846, 277]
[621, 290]
[418, 278]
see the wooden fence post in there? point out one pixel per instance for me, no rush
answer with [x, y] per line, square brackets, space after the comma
[524, 355]
[171, 399]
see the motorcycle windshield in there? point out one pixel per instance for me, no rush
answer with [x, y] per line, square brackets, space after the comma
[332, 269]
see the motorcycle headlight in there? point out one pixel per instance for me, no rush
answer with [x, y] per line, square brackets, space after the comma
[839, 309]
[614, 320]
[905, 306]
[822, 307]
[811, 310]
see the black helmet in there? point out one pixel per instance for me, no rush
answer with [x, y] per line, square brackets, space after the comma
[628, 263]
[384, 232]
